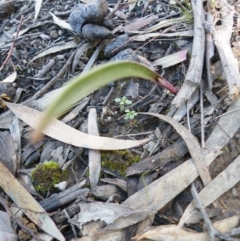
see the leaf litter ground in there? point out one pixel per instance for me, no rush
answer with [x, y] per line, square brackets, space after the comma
[154, 192]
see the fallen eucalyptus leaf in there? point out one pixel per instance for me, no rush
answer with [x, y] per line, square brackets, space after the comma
[60, 131]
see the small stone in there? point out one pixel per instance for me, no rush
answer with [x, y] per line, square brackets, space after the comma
[116, 45]
[93, 102]
[95, 12]
[126, 54]
[93, 32]
[54, 34]
[108, 24]
[75, 20]
[8, 89]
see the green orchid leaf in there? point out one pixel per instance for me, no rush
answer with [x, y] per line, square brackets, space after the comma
[85, 83]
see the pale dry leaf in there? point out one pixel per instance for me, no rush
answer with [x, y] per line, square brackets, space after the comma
[116, 181]
[161, 24]
[83, 49]
[61, 23]
[94, 156]
[144, 37]
[171, 59]
[27, 203]
[6, 230]
[55, 49]
[114, 215]
[140, 23]
[131, 5]
[11, 78]
[175, 233]
[38, 4]
[67, 134]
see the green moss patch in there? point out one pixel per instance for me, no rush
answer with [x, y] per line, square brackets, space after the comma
[118, 161]
[46, 175]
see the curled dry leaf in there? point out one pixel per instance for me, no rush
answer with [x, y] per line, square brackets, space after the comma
[192, 144]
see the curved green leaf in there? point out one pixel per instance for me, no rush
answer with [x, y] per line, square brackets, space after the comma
[83, 84]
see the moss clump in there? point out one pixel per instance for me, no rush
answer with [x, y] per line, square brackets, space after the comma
[46, 175]
[118, 161]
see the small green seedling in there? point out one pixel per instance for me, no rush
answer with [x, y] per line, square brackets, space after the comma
[123, 102]
[130, 114]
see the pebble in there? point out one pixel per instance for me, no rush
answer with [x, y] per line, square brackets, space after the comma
[126, 54]
[92, 32]
[54, 34]
[93, 102]
[116, 45]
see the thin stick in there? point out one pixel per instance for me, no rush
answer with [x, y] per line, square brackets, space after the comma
[211, 230]
[202, 117]
[13, 44]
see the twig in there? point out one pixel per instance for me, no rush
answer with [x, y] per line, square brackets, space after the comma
[202, 117]
[108, 96]
[94, 56]
[213, 233]
[13, 44]
[211, 230]
[145, 97]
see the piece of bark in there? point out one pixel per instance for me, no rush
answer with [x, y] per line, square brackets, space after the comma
[171, 153]
[221, 37]
[194, 74]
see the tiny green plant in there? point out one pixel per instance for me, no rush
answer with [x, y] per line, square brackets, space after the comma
[123, 102]
[130, 114]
